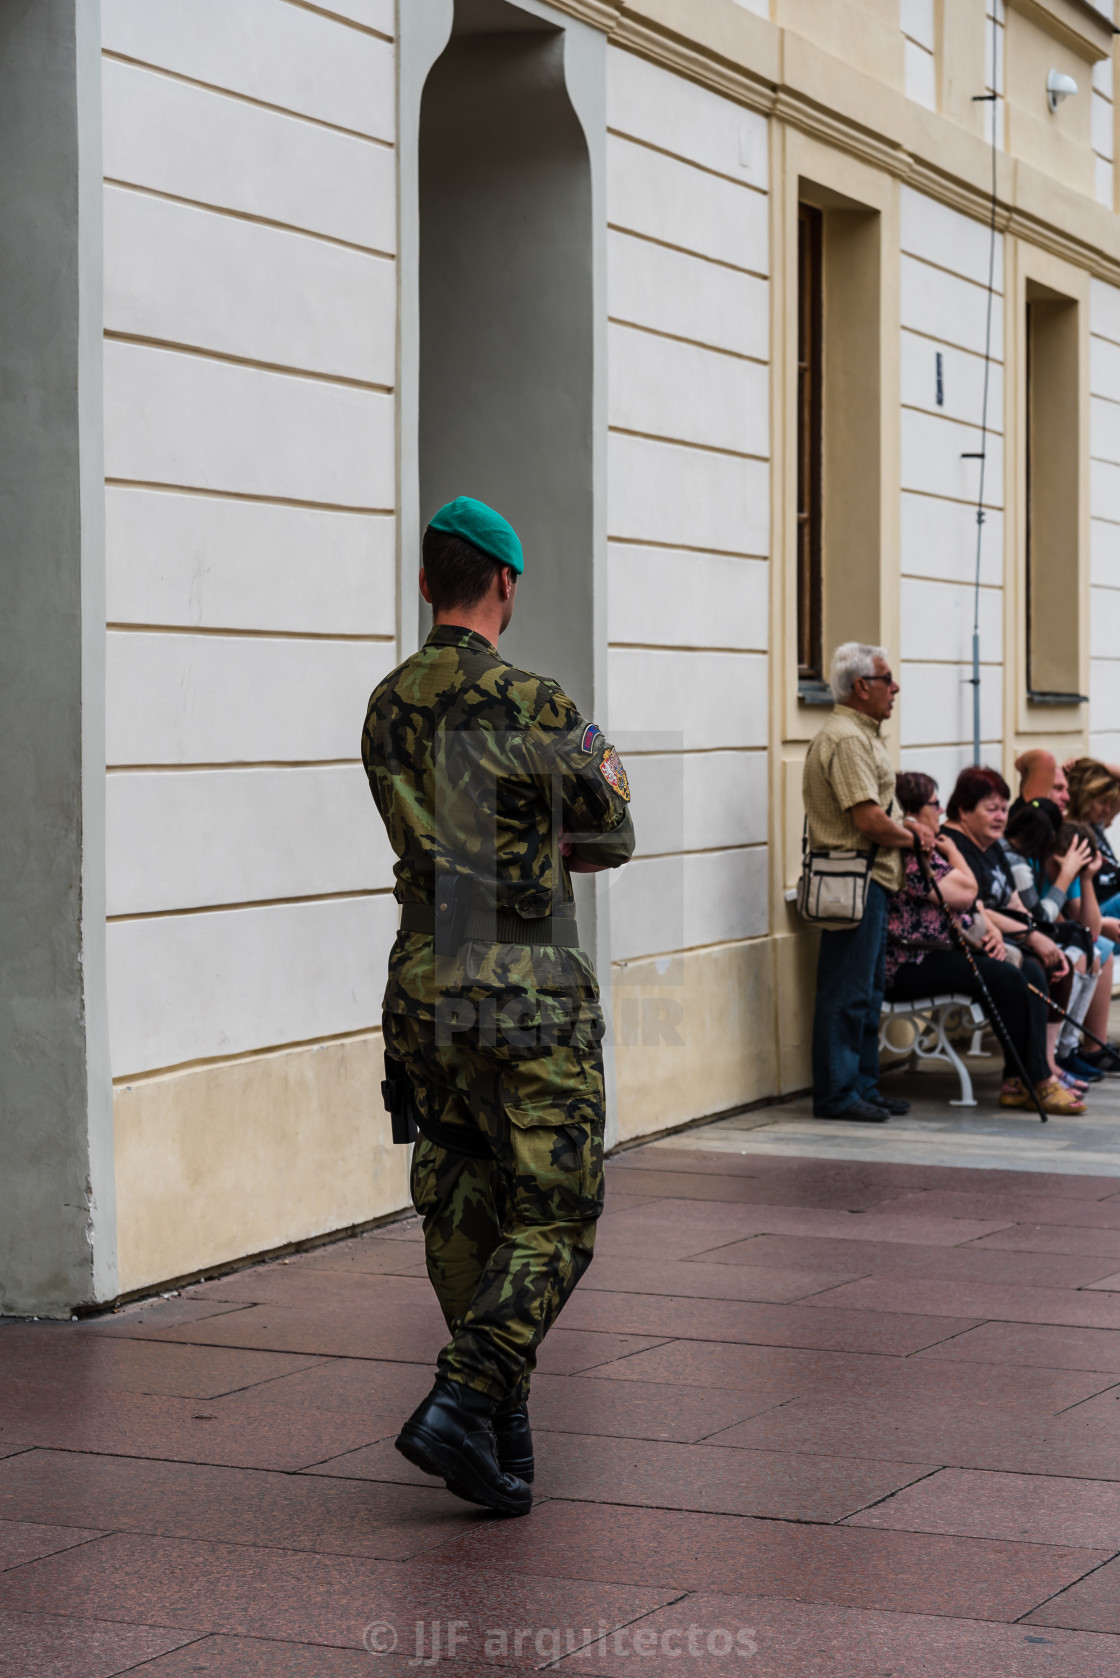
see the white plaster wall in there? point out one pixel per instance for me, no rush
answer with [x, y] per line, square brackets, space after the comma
[688, 507]
[1104, 507]
[1104, 123]
[944, 273]
[917, 20]
[250, 314]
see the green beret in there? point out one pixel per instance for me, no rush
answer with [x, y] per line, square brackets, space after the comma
[483, 528]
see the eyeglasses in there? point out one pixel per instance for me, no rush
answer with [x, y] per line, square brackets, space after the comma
[887, 678]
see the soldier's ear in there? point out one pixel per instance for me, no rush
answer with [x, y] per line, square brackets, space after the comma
[424, 589]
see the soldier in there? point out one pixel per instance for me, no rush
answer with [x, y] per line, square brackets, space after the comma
[493, 790]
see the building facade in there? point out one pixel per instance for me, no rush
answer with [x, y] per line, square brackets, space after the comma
[722, 301]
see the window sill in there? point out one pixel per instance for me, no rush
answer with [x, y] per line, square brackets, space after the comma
[1042, 697]
[814, 693]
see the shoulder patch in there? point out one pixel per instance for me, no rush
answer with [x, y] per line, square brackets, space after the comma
[615, 774]
[590, 735]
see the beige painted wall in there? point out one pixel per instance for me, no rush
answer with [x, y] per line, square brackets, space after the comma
[222, 1161]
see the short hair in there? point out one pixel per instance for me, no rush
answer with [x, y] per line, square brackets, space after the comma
[1089, 780]
[458, 573]
[973, 786]
[849, 662]
[1034, 827]
[914, 791]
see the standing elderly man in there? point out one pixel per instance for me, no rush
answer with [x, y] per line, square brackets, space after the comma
[848, 788]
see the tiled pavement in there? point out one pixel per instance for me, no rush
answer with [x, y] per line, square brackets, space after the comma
[805, 1416]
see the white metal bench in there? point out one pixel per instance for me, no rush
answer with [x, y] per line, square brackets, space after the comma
[930, 1017]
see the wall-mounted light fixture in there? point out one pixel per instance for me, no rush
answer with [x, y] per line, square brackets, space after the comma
[1059, 86]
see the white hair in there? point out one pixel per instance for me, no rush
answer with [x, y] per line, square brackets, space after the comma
[849, 662]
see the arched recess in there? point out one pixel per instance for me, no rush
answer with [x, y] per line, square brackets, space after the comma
[506, 282]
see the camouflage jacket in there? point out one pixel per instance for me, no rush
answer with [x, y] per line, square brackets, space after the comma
[475, 768]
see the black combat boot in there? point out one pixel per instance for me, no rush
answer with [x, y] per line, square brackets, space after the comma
[515, 1440]
[452, 1435]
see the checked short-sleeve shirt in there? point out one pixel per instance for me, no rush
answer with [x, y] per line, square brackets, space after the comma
[847, 764]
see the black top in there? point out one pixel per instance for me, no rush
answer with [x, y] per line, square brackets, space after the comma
[993, 882]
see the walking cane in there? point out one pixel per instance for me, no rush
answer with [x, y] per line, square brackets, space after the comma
[1058, 1010]
[961, 942]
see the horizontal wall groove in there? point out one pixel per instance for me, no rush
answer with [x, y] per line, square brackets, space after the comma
[684, 548]
[683, 443]
[168, 346]
[684, 647]
[343, 22]
[688, 950]
[948, 419]
[686, 250]
[245, 98]
[693, 343]
[246, 215]
[130, 1078]
[248, 495]
[233, 764]
[948, 582]
[689, 162]
[948, 344]
[252, 903]
[953, 273]
[700, 850]
[238, 634]
[951, 500]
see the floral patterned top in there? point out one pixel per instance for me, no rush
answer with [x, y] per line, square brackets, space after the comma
[913, 919]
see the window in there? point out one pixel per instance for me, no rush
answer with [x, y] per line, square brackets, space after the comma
[809, 439]
[1052, 565]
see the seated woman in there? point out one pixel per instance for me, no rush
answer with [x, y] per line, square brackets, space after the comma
[1095, 801]
[1083, 907]
[1046, 878]
[922, 961]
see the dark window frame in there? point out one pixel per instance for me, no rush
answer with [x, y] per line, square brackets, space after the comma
[810, 444]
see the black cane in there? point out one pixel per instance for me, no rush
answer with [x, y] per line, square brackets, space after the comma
[961, 942]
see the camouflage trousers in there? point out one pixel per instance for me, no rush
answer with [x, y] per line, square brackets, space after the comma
[507, 1238]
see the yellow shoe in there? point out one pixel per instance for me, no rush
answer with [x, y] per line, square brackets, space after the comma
[1055, 1098]
[1014, 1094]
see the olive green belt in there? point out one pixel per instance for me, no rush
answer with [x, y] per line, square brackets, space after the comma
[500, 926]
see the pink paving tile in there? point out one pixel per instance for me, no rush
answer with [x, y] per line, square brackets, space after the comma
[657, 1475]
[913, 1572]
[388, 1331]
[377, 1392]
[848, 1259]
[902, 1429]
[692, 1279]
[1107, 1284]
[636, 1409]
[253, 1657]
[63, 1353]
[896, 1178]
[184, 1430]
[1051, 1238]
[875, 1330]
[1027, 1205]
[1091, 1605]
[777, 1372]
[1036, 1344]
[798, 1640]
[53, 1645]
[304, 1285]
[191, 1500]
[570, 1351]
[789, 1189]
[245, 1591]
[22, 1541]
[151, 1317]
[368, 1254]
[1030, 1508]
[909, 1228]
[1064, 1306]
